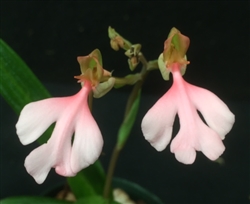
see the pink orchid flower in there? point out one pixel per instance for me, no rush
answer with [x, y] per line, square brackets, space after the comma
[72, 116]
[185, 99]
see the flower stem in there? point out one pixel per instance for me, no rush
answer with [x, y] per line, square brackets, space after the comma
[117, 149]
[111, 168]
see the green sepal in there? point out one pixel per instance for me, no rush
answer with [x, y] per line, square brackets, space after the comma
[176, 41]
[163, 69]
[103, 88]
[97, 54]
[92, 64]
[131, 65]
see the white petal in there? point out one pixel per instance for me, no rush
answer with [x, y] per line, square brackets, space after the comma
[210, 143]
[196, 136]
[88, 142]
[185, 156]
[157, 124]
[39, 162]
[183, 144]
[191, 134]
[60, 144]
[215, 111]
[55, 153]
[36, 117]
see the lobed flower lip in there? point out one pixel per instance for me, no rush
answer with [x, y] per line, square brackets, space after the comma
[185, 99]
[72, 116]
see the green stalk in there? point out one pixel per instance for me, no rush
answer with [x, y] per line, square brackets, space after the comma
[126, 126]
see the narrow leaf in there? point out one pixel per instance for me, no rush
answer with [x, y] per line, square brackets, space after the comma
[94, 199]
[127, 124]
[32, 200]
[19, 86]
[136, 192]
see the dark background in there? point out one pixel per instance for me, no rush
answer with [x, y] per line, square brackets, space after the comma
[50, 35]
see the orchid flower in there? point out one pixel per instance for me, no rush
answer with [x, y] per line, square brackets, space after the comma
[72, 116]
[185, 99]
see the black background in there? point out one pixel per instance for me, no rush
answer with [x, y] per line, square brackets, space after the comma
[49, 35]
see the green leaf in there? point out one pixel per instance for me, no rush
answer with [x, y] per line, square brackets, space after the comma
[32, 200]
[88, 182]
[127, 124]
[136, 192]
[19, 86]
[47, 200]
[94, 199]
